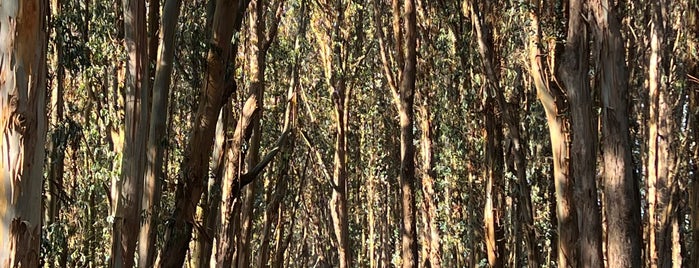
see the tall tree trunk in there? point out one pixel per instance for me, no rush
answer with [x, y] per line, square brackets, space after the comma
[60, 135]
[661, 159]
[622, 199]
[693, 70]
[23, 125]
[127, 217]
[260, 41]
[552, 99]
[492, 218]
[573, 72]
[407, 147]
[227, 19]
[432, 240]
[150, 201]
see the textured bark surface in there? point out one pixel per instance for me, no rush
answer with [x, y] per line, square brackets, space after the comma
[227, 19]
[693, 67]
[573, 72]
[622, 200]
[23, 125]
[150, 201]
[127, 202]
[552, 99]
[407, 148]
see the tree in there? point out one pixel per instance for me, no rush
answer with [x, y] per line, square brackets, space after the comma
[573, 72]
[150, 201]
[622, 198]
[402, 86]
[129, 187]
[218, 88]
[553, 100]
[23, 125]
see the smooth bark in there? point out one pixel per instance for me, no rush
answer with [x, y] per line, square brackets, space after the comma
[23, 126]
[127, 202]
[157, 141]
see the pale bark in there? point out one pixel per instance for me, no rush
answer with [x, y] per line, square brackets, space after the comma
[662, 207]
[150, 201]
[127, 202]
[433, 249]
[622, 200]
[23, 126]
[494, 240]
[551, 99]
[227, 20]
[260, 41]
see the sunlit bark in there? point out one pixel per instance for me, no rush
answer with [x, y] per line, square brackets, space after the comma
[23, 125]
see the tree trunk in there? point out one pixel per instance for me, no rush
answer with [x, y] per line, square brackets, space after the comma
[60, 135]
[127, 215]
[432, 240]
[227, 19]
[150, 201]
[23, 125]
[407, 148]
[661, 159]
[693, 69]
[551, 99]
[622, 200]
[260, 40]
[573, 72]
[494, 235]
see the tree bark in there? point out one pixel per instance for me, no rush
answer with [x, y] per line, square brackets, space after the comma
[157, 141]
[494, 235]
[260, 41]
[552, 100]
[227, 20]
[622, 199]
[59, 138]
[127, 216]
[23, 126]
[573, 72]
[693, 70]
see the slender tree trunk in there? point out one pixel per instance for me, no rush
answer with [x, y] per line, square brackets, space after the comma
[551, 99]
[59, 137]
[407, 148]
[432, 240]
[622, 199]
[127, 215]
[494, 240]
[23, 126]
[150, 201]
[661, 159]
[260, 41]
[693, 69]
[227, 19]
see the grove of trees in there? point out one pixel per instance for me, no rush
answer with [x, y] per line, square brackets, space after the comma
[349, 133]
